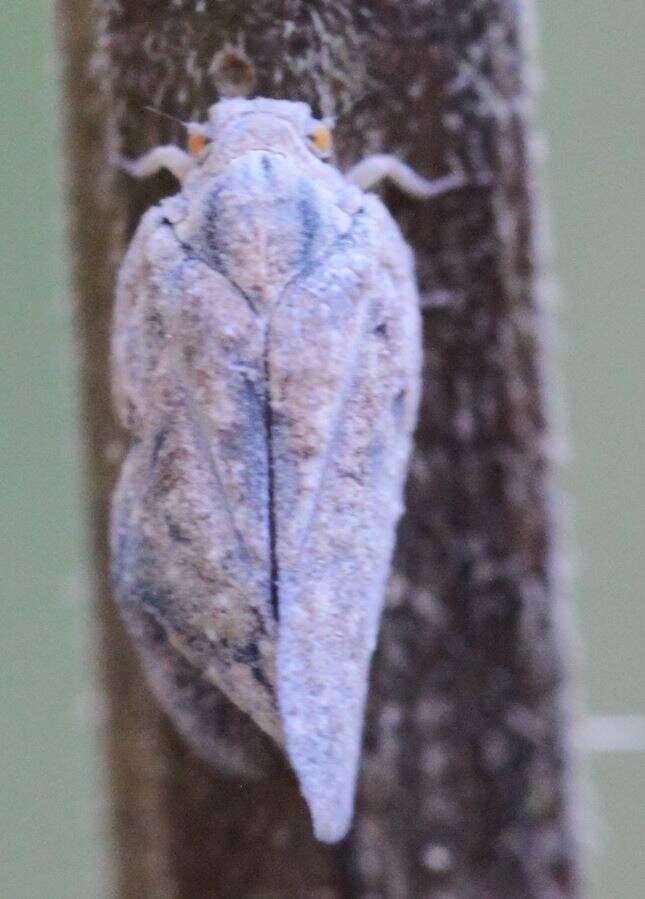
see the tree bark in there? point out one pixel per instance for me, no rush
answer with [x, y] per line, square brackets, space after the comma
[465, 780]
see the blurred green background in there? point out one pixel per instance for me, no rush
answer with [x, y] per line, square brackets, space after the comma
[592, 112]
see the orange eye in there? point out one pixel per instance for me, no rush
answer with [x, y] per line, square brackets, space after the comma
[196, 143]
[322, 140]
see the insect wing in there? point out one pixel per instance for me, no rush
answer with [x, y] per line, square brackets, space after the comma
[343, 356]
[194, 547]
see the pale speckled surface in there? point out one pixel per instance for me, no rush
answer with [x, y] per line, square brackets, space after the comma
[266, 360]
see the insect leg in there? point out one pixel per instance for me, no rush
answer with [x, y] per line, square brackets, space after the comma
[370, 171]
[177, 161]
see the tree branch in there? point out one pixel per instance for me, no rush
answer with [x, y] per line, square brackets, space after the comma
[464, 788]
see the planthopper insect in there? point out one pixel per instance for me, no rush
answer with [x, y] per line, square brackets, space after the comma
[266, 360]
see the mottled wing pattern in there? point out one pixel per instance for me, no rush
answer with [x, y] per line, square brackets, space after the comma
[266, 359]
[194, 488]
[344, 360]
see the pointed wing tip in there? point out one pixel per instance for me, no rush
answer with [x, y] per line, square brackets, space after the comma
[329, 793]
[331, 814]
[330, 831]
[321, 697]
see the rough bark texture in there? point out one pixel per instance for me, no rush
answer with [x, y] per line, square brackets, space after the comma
[464, 790]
